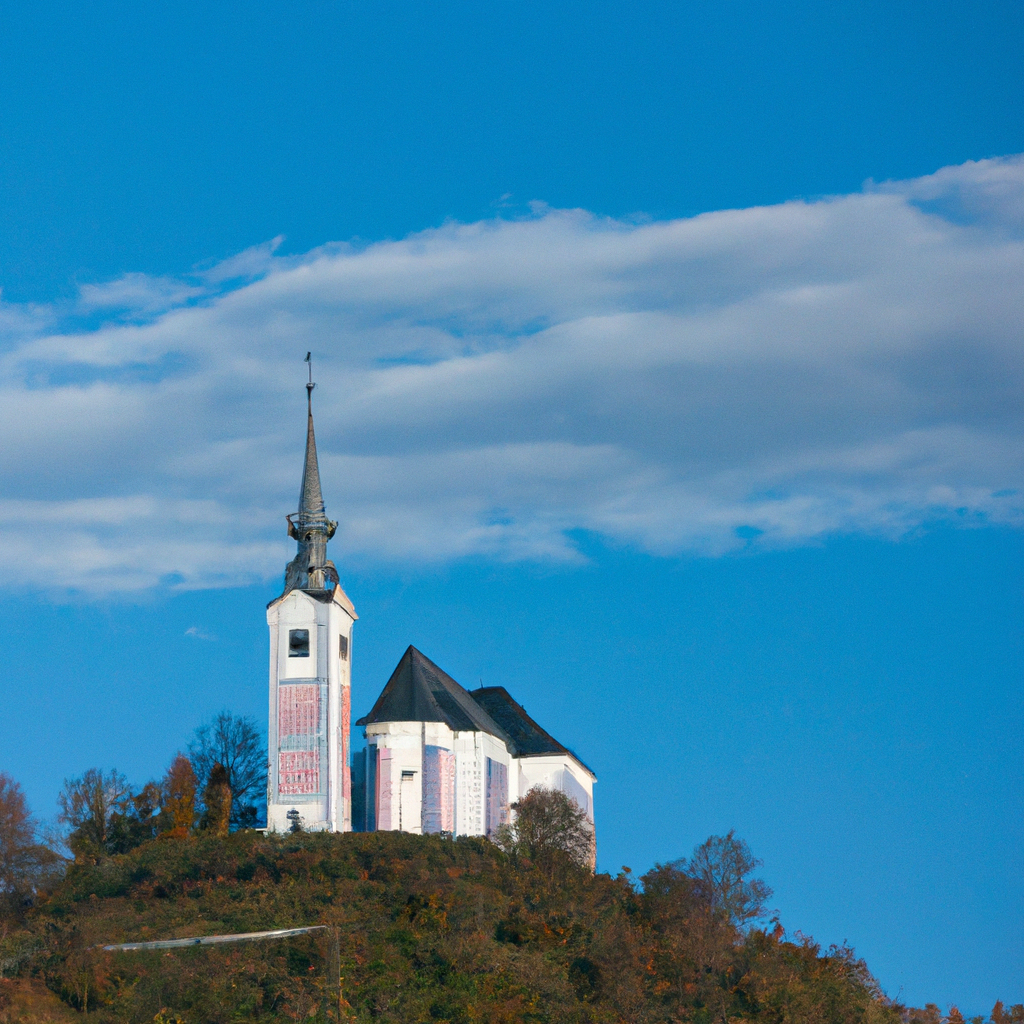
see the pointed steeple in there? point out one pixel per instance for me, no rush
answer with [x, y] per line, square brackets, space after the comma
[310, 569]
[311, 499]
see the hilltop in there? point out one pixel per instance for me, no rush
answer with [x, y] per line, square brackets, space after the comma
[428, 929]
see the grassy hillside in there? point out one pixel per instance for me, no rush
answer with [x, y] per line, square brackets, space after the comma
[428, 929]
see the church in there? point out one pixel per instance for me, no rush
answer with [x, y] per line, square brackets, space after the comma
[438, 757]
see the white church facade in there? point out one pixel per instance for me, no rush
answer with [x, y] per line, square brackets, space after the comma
[438, 758]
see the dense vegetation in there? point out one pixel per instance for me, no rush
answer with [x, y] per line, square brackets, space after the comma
[427, 929]
[408, 928]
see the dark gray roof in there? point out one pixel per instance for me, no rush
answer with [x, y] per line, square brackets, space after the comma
[419, 691]
[528, 738]
[311, 499]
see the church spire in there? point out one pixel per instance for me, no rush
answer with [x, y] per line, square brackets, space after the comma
[310, 569]
[311, 499]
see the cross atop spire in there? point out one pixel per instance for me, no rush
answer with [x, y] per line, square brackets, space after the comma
[310, 569]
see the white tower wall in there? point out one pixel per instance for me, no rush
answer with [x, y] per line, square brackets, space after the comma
[309, 712]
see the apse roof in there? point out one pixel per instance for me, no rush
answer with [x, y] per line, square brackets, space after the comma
[419, 691]
[528, 737]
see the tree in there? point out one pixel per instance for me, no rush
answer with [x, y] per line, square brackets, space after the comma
[696, 908]
[134, 822]
[90, 808]
[237, 744]
[26, 865]
[1015, 1015]
[217, 802]
[548, 829]
[719, 868]
[694, 944]
[103, 816]
[178, 799]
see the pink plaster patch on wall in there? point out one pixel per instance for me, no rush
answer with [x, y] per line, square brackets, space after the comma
[346, 726]
[438, 789]
[383, 789]
[497, 795]
[298, 772]
[298, 710]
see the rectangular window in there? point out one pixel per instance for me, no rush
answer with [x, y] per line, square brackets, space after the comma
[343, 648]
[298, 643]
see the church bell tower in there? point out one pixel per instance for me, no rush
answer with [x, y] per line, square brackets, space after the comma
[310, 679]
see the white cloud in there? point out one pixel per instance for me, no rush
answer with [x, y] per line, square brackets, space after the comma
[853, 364]
[246, 265]
[136, 294]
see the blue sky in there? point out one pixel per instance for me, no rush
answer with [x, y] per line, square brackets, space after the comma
[670, 373]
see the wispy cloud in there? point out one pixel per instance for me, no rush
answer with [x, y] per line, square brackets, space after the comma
[199, 634]
[765, 376]
[136, 293]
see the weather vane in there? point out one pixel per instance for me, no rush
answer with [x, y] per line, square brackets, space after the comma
[310, 385]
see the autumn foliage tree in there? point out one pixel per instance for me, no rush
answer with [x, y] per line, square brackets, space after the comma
[26, 865]
[217, 787]
[178, 799]
[697, 908]
[1002, 1015]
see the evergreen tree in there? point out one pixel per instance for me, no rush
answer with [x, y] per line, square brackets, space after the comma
[217, 802]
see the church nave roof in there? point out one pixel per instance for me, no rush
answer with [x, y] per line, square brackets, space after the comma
[419, 691]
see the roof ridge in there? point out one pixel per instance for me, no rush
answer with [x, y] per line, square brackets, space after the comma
[530, 738]
[411, 695]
